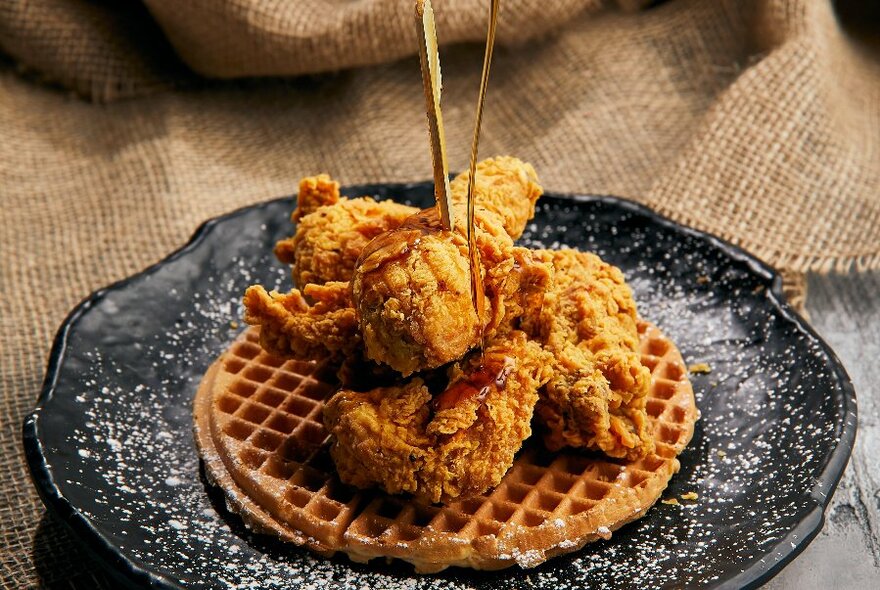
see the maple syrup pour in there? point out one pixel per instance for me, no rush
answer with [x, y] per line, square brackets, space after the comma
[477, 294]
[477, 385]
[426, 221]
[394, 245]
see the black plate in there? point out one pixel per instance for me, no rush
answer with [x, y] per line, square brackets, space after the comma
[111, 451]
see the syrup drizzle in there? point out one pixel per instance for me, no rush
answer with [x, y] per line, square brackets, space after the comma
[398, 244]
[394, 245]
[477, 294]
[476, 385]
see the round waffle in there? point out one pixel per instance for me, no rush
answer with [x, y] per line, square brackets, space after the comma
[260, 434]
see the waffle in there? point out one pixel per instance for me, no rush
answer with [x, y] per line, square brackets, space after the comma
[259, 430]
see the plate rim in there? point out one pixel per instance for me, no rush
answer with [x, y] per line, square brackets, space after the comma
[125, 569]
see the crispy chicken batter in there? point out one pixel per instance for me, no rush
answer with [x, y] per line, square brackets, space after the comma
[332, 231]
[561, 327]
[458, 443]
[505, 186]
[289, 323]
[413, 289]
[412, 292]
[290, 326]
[411, 286]
[596, 397]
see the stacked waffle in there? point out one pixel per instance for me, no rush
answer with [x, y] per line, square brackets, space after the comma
[260, 433]
[385, 471]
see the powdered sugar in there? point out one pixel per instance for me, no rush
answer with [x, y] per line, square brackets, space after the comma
[134, 473]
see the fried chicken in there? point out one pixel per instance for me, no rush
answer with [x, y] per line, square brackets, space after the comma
[412, 291]
[412, 294]
[411, 285]
[325, 328]
[457, 443]
[596, 397]
[332, 231]
[506, 187]
[409, 307]
[291, 326]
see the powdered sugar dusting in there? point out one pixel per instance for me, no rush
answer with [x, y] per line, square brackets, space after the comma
[138, 355]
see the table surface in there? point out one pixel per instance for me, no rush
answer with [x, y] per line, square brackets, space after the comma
[845, 310]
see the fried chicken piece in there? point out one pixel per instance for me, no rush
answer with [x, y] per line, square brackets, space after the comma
[596, 397]
[292, 327]
[408, 281]
[457, 443]
[332, 231]
[411, 285]
[505, 186]
[438, 299]
[289, 323]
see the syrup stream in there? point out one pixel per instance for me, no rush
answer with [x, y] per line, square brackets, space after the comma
[477, 385]
[477, 294]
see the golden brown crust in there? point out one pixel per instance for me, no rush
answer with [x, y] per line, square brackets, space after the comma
[418, 316]
[314, 192]
[413, 300]
[456, 444]
[254, 415]
[294, 328]
[329, 238]
[410, 307]
[596, 398]
[505, 186]
[411, 286]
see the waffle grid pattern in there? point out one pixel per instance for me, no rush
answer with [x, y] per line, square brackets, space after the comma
[265, 422]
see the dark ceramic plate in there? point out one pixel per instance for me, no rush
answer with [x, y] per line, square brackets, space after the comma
[111, 450]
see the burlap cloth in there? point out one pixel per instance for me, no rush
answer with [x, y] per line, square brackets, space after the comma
[756, 120]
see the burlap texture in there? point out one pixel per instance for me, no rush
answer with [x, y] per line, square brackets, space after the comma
[110, 50]
[757, 120]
